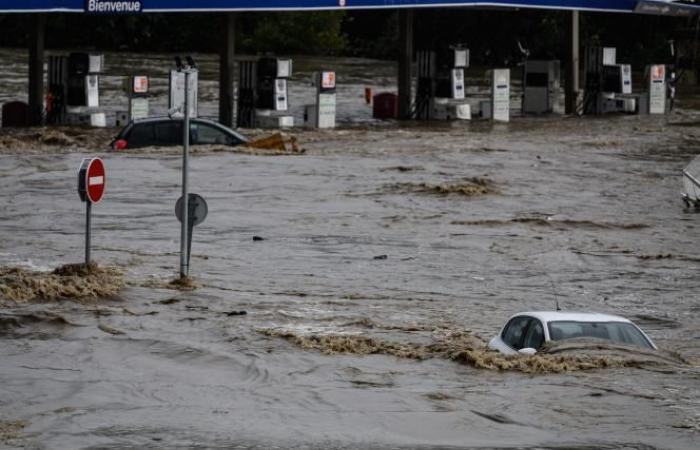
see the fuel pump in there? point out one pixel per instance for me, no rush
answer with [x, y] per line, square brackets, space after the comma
[322, 114]
[608, 84]
[672, 76]
[425, 85]
[271, 95]
[541, 83]
[500, 95]
[57, 90]
[656, 86]
[450, 72]
[73, 94]
[441, 86]
[83, 79]
[272, 75]
[247, 94]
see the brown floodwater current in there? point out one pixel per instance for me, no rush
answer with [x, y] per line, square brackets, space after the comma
[341, 298]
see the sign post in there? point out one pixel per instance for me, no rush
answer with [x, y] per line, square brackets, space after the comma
[189, 73]
[91, 188]
[195, 214]
[184, 260]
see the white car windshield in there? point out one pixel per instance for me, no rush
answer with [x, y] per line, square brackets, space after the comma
[620, 332]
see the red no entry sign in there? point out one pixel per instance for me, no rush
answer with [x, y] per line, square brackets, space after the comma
[91, 180]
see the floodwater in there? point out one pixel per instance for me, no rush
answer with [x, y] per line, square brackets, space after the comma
[342, 294]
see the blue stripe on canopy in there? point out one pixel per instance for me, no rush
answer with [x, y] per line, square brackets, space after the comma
[281, 5]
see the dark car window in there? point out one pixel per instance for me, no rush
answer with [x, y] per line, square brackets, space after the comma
[514, 332]
[168, 133]
[535, 335]
[207, 134]
[141, 135]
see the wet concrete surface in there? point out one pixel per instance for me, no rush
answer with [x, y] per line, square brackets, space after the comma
[355, 244]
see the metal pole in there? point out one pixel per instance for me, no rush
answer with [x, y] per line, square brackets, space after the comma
[184, 260]
[572, 61]
[405, 59]
[226, 72]
[88, 231]
[36, 68]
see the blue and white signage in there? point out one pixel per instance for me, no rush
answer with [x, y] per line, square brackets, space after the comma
[660, 7]
[113, 6]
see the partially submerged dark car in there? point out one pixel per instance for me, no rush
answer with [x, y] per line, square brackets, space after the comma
[166, 131]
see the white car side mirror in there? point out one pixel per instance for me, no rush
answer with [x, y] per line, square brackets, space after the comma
[529, 351]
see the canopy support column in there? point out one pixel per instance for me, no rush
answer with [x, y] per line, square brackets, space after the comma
[226, 71]
[405, 59]
[572, 62]
[36, 68]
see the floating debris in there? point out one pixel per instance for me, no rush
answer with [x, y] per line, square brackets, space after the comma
[470, 187]
[9, 322]
[72, 281]
[184, 284]
[401, 168]
[553, 223]
[465, 348]
[277, 142]
[55, 137]
[358, 345]
[179, 283]
[12, 429]
[110, 330]
[38, 140]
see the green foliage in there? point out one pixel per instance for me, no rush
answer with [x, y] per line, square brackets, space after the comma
[316, 33]
[372, 33]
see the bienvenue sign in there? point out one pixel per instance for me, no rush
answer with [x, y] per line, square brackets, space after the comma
[113, 6]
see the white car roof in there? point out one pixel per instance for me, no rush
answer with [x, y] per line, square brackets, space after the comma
[551, 316]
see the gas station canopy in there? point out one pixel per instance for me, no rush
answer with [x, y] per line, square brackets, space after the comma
[657, 7]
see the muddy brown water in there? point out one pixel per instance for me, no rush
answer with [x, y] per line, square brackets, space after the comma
[305, 337]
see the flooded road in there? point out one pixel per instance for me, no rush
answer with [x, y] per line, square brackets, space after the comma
[320, 276]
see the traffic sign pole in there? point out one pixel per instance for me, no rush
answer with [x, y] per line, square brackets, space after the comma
[88, 230]
[184, 253]
[91, 187]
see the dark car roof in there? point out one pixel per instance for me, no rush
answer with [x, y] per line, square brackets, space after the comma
[158, 119]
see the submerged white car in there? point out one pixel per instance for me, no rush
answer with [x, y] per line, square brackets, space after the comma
[527, 332]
